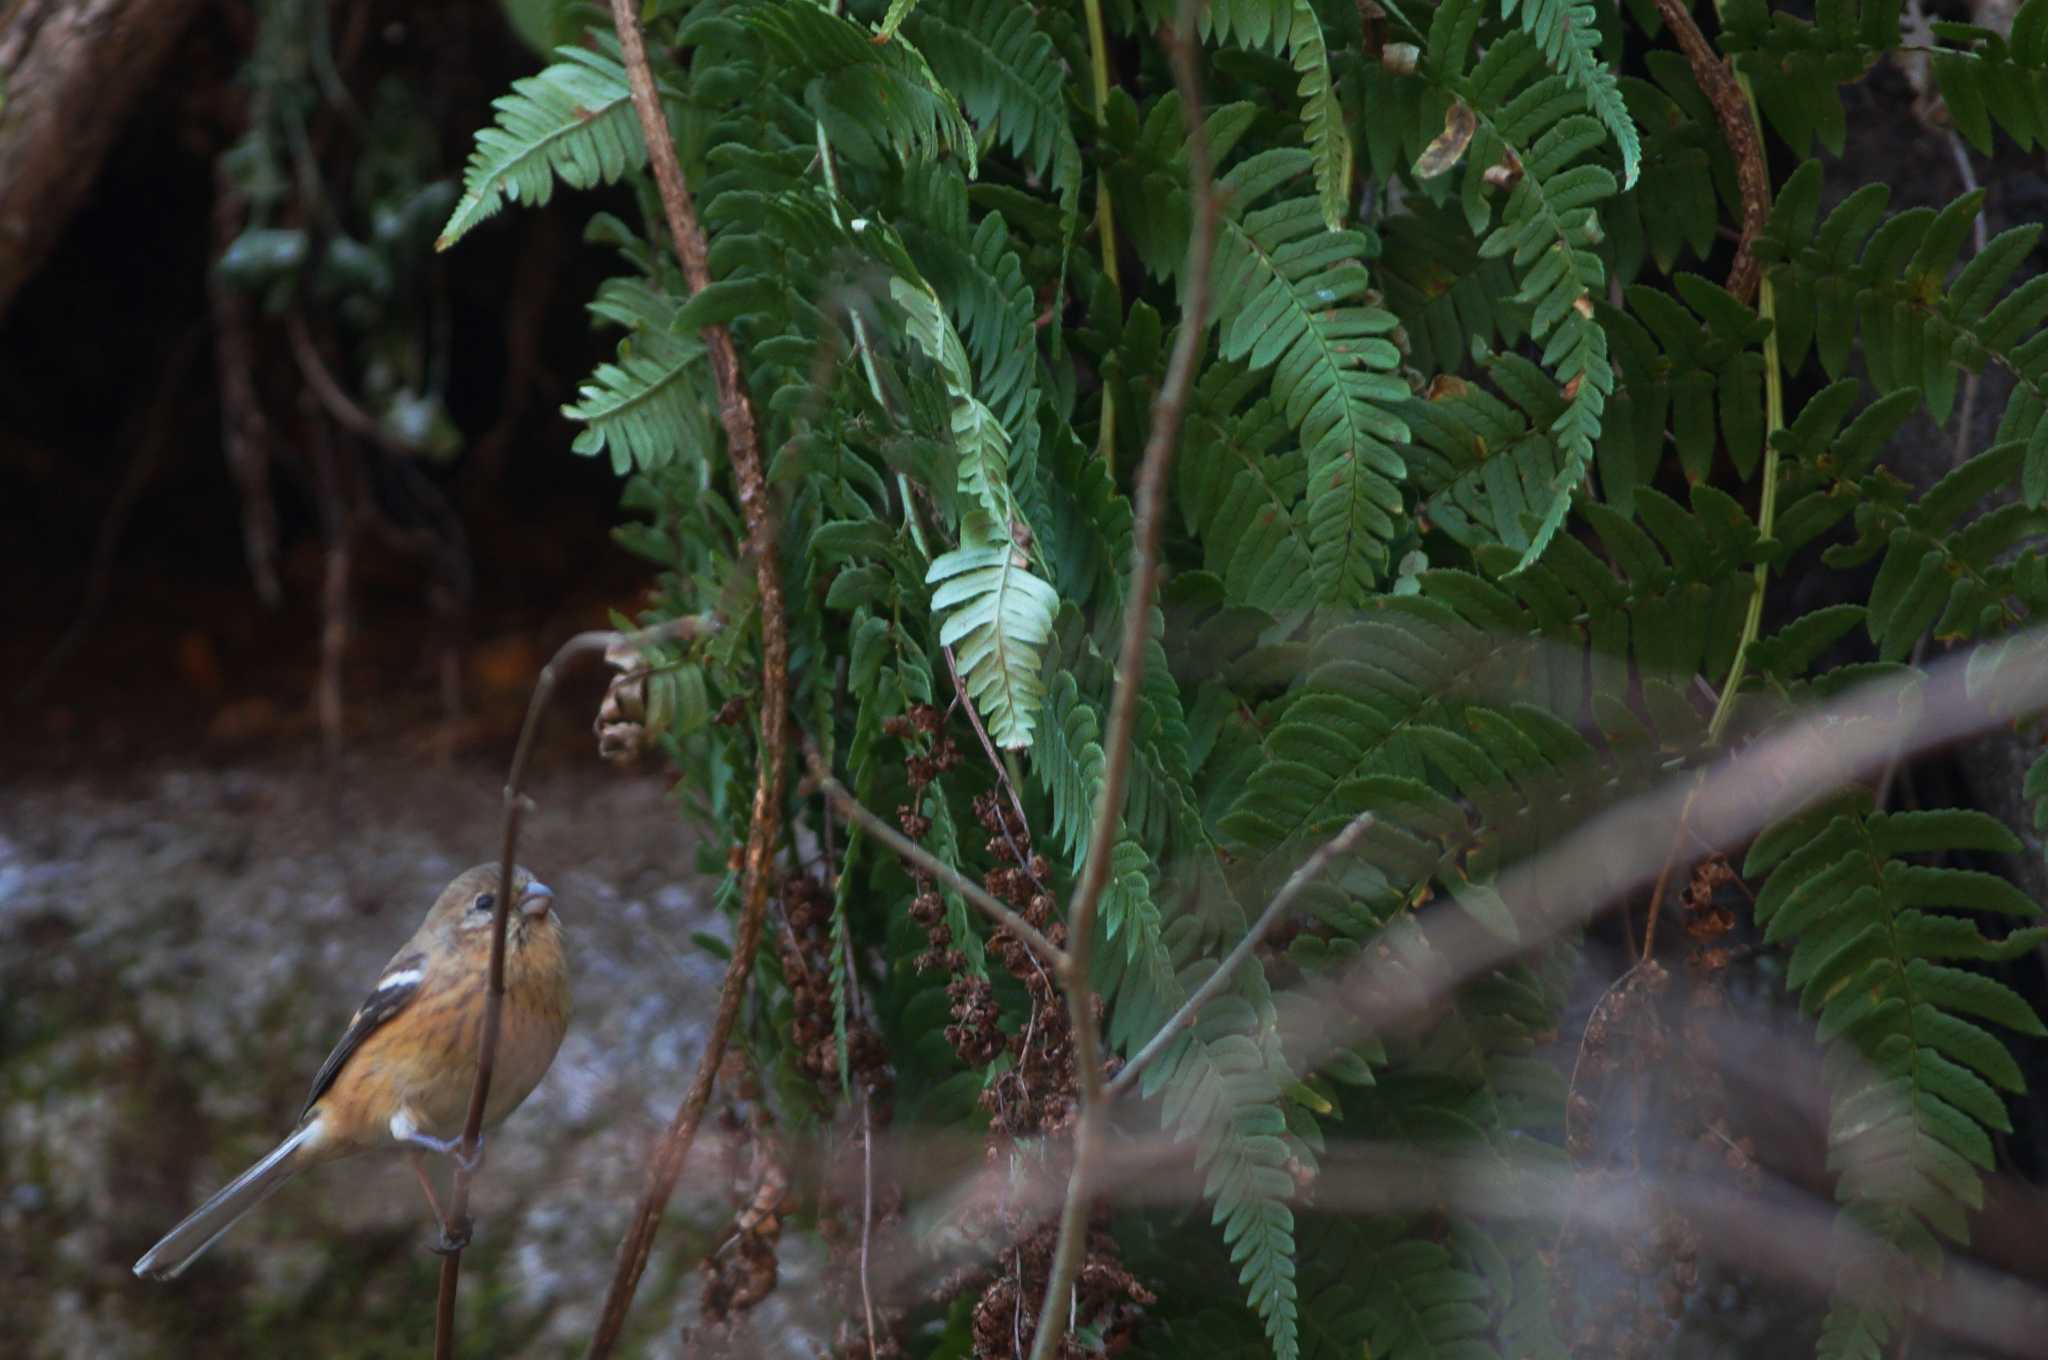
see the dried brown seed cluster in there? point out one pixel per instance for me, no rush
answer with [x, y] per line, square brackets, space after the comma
[743, 1271]
[1108, 1300]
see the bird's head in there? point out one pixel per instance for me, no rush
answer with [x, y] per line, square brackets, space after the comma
[467, 905]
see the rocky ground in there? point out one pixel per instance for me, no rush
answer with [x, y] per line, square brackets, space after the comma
[179, 946]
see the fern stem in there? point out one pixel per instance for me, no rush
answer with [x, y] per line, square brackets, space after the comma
[1105, 212]
[1169, 412]
[925, 861]
[1774, 400]
[1309, 871]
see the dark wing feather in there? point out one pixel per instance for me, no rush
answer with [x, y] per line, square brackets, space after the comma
[400, 984]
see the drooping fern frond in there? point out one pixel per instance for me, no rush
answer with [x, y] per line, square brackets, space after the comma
[1547, 230]
[649, 407]
[1290, 28]
[1009, 79]
[1536, 138]
[1568, 34]
[1290, 299]
[1913, 1077]
[1241, 494]
[867, 94]
[574, 120]
[1692, 376]
[983, 444]
[997, 618]
[976, 270]
[996, 613]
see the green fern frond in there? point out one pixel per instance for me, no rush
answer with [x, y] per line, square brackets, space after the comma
[983, 444]
[1448, 298]
[867, 94]
[1888, 279]
[977, 271]
[1009, 78]
[997, 616]
[648, 408]
[1291, 29]
[1672, 208]
[1486, 473]
[1221, 1084]
[898, 11]
[1283, 283]
[1692, 375]
[1239, 492]
[1568, 33]
[1913, 1076]
[574, 120]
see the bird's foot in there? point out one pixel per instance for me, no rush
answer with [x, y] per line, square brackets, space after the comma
[454, 1237]
[405, 1131]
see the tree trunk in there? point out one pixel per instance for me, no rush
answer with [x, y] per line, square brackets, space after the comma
[70, 71]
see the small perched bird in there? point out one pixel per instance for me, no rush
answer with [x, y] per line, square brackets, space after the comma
[404, 1068]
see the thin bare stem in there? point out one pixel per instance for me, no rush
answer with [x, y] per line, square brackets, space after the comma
[1169, 409]
[1297, 882]
[995, 760]
[851, 809]
[516, 803]
[750, 487]
[1735, 105]
[1729, 95]
[867, 1211]
[343, 408]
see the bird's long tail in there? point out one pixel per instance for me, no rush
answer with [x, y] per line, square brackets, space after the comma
[182, 1245]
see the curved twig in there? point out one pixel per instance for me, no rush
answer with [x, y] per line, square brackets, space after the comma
[516, 804]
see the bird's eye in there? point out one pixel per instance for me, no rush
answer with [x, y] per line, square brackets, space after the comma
[484, 902]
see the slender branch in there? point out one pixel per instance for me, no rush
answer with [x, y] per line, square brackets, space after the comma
[995, 760]
[1105, 209]
[1309, 871]
[340, 405]
[851, 809]
[867, 1211]
[750, 487]
[1169, 409]
[1744, 129]
[1729, 94]
[516, 804]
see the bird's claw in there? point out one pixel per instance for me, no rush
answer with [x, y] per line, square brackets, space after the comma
[454, 1237]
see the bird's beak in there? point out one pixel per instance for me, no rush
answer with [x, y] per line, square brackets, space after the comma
[537, 901]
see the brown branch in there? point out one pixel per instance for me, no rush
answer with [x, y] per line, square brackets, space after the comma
[1169, 409]
[851, 809]
[1310, 870]
[1717, 80]
[245, 433]
[516, 804]
[743, 450]
[344, 409]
